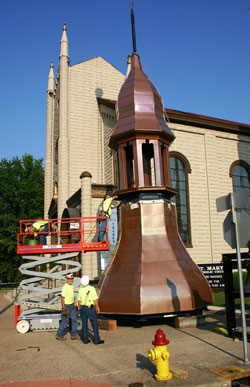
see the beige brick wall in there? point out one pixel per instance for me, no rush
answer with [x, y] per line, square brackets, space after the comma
[210, 154]
[229, 148]
[192, 145]
[108, 119]
[88, 80]
[81, 133]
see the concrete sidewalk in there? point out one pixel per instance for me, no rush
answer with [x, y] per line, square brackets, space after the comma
[53, 383]
[122, 360]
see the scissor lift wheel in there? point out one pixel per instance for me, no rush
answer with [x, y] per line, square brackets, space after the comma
[23, 326]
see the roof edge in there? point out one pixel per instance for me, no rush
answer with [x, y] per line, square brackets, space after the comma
[180, 117]
[97, 57]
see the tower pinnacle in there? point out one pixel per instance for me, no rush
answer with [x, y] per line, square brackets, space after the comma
[64, 42]
[51, 78]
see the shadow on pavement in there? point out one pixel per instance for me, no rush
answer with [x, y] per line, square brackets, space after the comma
[144, 363]
[7, 307]
[211, 345]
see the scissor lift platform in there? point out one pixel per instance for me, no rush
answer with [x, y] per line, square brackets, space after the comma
[63, 236]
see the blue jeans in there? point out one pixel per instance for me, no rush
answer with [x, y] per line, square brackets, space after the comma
[43, 235]
[71, 313]
[102, 227]
[88, 313]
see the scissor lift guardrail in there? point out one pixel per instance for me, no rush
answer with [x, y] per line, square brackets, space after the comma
[64, 235]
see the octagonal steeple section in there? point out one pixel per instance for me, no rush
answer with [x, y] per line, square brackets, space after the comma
[140, 106]
[141, 137]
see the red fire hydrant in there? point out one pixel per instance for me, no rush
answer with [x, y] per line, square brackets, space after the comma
[160, 356]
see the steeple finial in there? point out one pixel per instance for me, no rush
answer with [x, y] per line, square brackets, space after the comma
[129, 65]
[133, 27]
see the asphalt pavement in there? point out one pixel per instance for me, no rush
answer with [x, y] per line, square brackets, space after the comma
[38, 359]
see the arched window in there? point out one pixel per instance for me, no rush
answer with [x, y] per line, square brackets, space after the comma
[179, 170]
[240, 173]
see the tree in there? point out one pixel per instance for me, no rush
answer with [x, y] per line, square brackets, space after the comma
[21, 197]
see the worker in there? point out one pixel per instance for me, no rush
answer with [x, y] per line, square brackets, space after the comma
[106, 211]
[89, 308]
[40, 226]
[68, 310]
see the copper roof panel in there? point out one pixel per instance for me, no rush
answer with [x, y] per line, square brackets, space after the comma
[122, 292]
[125, 268]
[161, 255]
[162, 278]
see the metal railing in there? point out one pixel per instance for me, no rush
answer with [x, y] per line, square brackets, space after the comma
[66, 235]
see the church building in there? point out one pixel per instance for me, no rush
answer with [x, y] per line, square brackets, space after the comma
[208, 159]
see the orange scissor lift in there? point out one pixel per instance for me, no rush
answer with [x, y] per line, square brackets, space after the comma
[65, 239]
[66, 235]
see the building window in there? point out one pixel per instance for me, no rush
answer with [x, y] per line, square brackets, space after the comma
[179, 170]
[240, 173]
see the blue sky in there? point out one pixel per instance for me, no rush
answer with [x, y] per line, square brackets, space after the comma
[196, 52]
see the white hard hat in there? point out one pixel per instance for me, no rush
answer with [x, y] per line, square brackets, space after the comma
[85, 280]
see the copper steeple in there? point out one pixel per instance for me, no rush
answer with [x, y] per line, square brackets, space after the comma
[150, 271]
[140, 107]
[141, 137]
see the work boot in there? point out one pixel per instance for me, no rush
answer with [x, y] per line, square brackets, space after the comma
[98, 342]
[75, 338]
[60, 338]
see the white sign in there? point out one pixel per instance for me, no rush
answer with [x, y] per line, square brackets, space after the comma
[46, 320]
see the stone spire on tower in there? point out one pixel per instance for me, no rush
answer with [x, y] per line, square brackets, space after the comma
[64, 43]
[63, 143]
[51, 79]
[48, 179]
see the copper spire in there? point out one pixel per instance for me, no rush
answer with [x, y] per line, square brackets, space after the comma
[140, 106]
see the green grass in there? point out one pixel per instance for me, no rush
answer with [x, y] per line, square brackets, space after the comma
[219, 300]
[219, 293]
[219, 297]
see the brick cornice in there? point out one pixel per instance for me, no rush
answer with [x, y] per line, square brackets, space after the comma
[197, 120]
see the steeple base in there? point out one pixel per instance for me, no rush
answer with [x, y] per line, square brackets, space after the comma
[151, 272]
